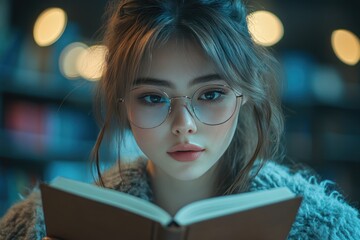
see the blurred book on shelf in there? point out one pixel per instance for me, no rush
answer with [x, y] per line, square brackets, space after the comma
[46, 130]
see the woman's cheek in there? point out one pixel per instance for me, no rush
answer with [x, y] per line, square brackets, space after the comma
[149, 139]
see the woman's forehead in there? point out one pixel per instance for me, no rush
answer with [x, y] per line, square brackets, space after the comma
[179, 60]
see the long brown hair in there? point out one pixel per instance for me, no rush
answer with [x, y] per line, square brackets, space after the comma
[220, 28]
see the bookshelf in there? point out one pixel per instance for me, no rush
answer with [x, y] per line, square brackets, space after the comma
[41, 124]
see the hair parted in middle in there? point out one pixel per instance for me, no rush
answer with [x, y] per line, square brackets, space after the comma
[219, 27]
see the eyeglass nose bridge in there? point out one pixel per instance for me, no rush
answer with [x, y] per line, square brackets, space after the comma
[188, 104]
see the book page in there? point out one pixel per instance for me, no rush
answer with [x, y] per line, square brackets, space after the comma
[113, 198]
[224, 205]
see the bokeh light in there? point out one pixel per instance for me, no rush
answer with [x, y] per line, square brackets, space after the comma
[346, 46]
[49, 26]
[327, 85]
[68, 59]
[91, 62]
[265, 28]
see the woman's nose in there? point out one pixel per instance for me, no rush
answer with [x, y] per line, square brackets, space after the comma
[183, 120]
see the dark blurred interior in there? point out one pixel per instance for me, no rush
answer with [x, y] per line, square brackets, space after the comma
[46, 122]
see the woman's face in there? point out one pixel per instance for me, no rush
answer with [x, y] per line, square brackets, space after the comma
[182, 146]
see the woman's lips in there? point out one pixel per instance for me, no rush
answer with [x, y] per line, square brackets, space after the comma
[187, 156]
[185, 152]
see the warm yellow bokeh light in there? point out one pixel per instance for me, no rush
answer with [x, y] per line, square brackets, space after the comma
[265, 28]
[91, 62]
[346, 46]
[68, 59]
[49, 26]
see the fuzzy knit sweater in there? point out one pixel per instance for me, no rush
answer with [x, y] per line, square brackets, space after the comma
[323, 214]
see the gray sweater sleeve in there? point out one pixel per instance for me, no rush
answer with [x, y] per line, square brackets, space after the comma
[24, 220]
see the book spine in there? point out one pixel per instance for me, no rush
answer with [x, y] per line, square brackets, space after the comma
[168, 232]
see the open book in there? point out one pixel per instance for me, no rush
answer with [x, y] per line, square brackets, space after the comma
[75, 210]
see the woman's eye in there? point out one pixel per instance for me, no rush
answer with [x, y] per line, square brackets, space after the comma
[153, 99]
[211, 95]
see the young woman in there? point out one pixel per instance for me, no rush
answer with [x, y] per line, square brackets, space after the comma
[201, 100]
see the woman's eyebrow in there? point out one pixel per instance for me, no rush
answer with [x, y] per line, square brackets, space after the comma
[164, 83]
[153, 82]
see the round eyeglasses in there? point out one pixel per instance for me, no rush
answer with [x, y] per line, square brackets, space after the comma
[149, 107]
